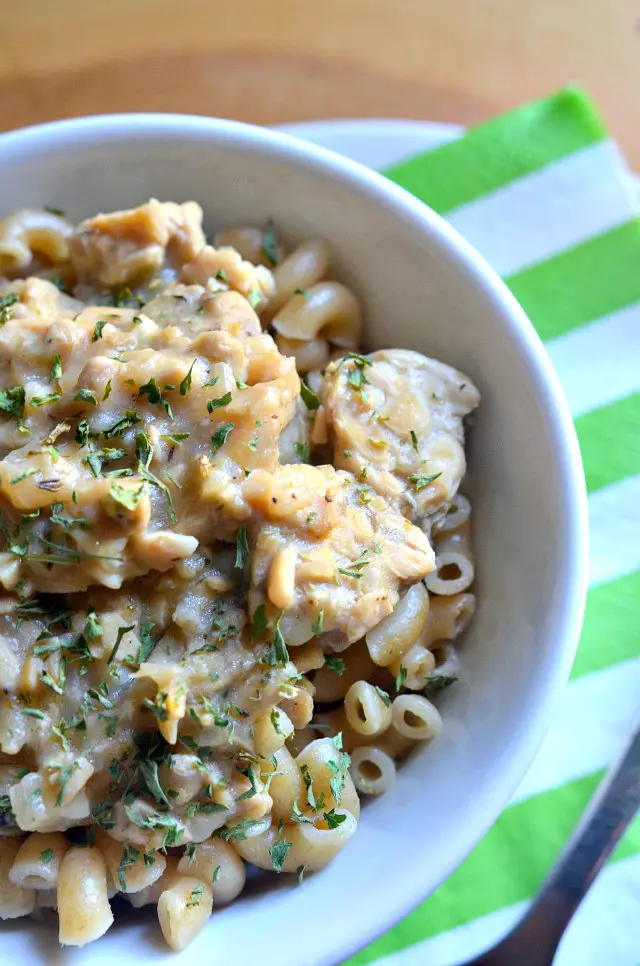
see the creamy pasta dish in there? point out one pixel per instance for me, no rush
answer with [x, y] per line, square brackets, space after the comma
[233, 559]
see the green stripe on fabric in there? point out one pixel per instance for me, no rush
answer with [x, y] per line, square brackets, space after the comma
[609, 442]
[503, 868]
[580, 285]
[611, 630]
[501, 150]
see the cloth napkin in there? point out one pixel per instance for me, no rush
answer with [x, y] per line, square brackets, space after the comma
[545, 196]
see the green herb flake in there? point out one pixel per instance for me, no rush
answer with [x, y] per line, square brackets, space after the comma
[12, 401]
[335, 664]
[302, 451]
[220, 436]
[277, 655]
[174, 438]
[33, 713]
[128, 498]
[259, 622]
[221, 275]
[46, 400]
[242, 548]
[401, 678]
[309, 397]
[6, 301]
[219, 402]
[318, 623]
[126, 422]
[185, 385]
[148, 768]
[152, 391]
[420, 482]
[300, 871]
[278, 853]
[23, 476]
[107, 391]
[333, 818]
[237, 833]
[56, 369]
[270, 242]
[383, 695]
[85, 395]
[97, 332]
[130, 855]
[254, 298]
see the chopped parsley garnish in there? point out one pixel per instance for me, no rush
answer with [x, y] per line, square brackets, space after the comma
[152, 391]
[414, 439]
[333, 819]
[242, 548]
[221, 275]
[221, 434]
[185, 385]
[107, 391]
[97, 332]
[6, 301]
[309, 397]
[85, 395]
[93, 629]
[338, 770]
[148, 768]
[318, 623]
[128, 498]
[335, 664]
[45, 400]
[54, 211]
[383, 695]
[237, 833]
[270, 242]
[67, 523]
[302, 451]
[122, 293]
[56, 369]
[254, 298]
[277, 655]
[278, 853]
[147, 643]
[421, 481]
[259, 622]
[59, 284]
[438, 682]
[175, 438]
[300, 873]
[121, 632]
[129, 419]
[23, 476]
[12, 401]
[402, 677]
[195, 896]
[219, 402]
[33, 712]
[64, 776]
[83, 431]
[46, 856]
[130, 855]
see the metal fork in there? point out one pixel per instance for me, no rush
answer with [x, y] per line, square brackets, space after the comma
[535, 939]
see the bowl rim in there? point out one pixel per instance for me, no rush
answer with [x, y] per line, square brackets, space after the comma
[572, 497]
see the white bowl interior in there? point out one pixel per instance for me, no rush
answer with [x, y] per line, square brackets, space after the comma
[424, 289]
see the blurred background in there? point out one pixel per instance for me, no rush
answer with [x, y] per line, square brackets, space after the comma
[287, 60]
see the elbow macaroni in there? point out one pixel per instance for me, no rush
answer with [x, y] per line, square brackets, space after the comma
[221, 614]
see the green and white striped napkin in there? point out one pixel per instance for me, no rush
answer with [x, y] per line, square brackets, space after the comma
[543, 193]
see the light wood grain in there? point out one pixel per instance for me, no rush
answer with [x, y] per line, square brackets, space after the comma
[267, 62]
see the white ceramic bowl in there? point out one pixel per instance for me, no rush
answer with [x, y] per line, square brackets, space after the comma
[423, 288]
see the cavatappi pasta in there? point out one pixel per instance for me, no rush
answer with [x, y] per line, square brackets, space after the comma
[228, 596]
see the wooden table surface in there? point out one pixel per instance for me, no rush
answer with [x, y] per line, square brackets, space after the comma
[284, 60]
